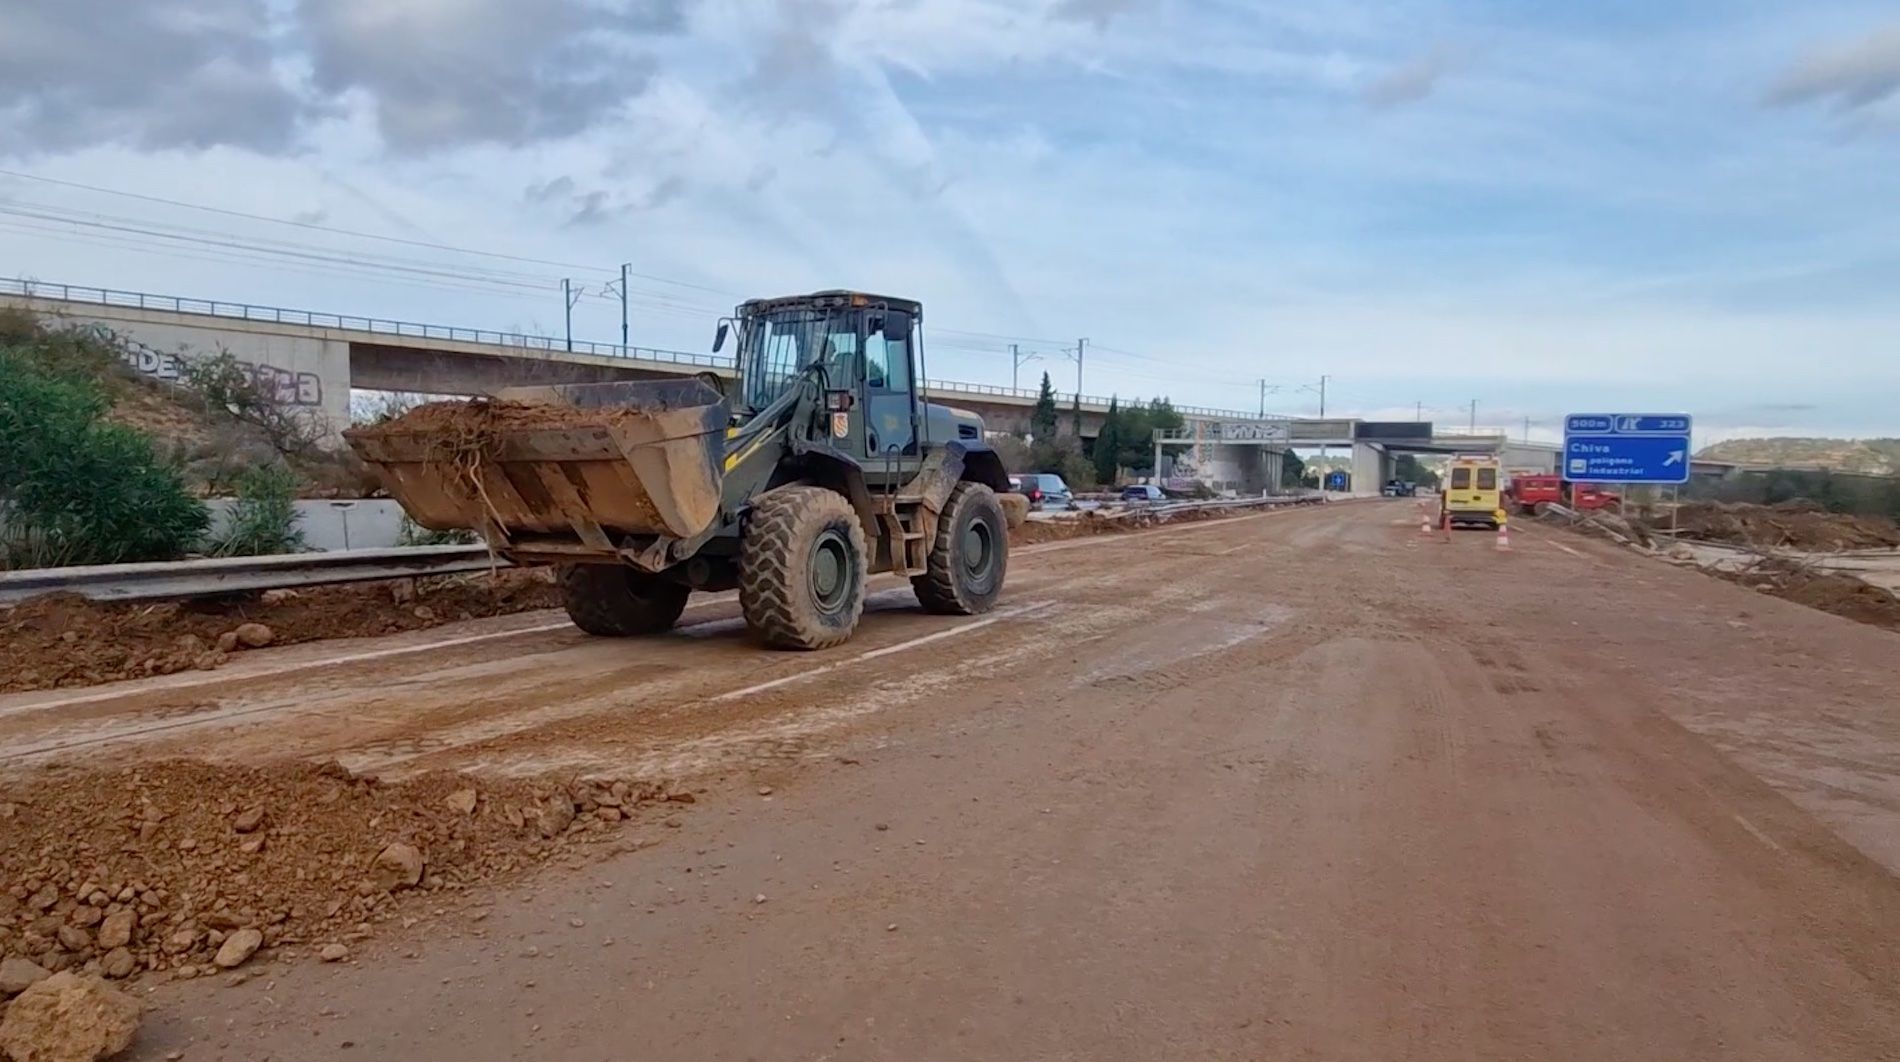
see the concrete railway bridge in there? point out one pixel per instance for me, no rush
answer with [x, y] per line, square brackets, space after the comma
[315, 360]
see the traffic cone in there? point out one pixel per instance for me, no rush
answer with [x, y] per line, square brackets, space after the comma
[1504, 537]
[1424, 520]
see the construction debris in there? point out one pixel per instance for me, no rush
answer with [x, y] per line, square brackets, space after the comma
[149, 857]
[63, 640]
[1832, 592]
[1794, 525]
[17, 975]
[69, 1017]
[1760, 528]
[1090, 522]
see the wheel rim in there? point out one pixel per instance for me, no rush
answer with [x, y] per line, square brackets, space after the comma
[830, 570]
[978, 550]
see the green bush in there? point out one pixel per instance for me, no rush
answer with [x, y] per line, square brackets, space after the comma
[263, 519]
[75, 488]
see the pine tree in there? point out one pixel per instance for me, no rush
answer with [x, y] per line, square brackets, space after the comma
[1108, 445]
[1042, 421]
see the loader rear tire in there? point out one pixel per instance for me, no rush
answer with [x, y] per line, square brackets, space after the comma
[615, 601]
[964, 573]
[802, 568]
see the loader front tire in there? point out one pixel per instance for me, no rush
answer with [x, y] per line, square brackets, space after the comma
[802, 568]
[615, 601]
[964, 573]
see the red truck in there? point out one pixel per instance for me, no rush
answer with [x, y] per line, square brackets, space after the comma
[1526, 493]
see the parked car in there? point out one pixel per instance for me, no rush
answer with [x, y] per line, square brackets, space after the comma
[1142, 494]
[1045, 491]
[1399, 488]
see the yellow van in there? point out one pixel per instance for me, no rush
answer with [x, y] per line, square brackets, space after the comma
[1473, 490]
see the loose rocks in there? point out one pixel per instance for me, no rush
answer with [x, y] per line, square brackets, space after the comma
[17, 975]
[555, 815]
[254, 635]
[69, 1018]
[238, 948]
[116, 930]
[333, 953]
[118, 963]
[141, 870]
[399, 866]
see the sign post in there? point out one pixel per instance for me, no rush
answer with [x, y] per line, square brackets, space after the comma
[1627, 448]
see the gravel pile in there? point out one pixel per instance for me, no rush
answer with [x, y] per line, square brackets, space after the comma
[188, 868]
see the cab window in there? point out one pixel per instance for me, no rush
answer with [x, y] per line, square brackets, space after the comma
[887, 355]
[1461, 478]
[1487, 479]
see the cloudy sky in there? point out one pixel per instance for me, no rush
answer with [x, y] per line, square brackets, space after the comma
[1542, 206]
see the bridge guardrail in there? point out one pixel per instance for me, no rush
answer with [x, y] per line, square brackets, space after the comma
[243, 311]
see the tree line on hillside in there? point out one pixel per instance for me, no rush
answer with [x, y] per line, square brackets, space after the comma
[1125, 443]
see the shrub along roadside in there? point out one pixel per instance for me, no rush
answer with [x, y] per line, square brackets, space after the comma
[74, 488]
[263, 519]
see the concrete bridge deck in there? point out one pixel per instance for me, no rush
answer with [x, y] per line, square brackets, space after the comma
[314, 359]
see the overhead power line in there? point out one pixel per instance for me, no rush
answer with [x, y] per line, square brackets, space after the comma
[131, 230]
[227, 212]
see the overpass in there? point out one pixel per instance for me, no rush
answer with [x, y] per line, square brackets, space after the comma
[313, 360]
[1239, 454]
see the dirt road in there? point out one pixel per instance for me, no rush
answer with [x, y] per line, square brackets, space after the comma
[1304, 785]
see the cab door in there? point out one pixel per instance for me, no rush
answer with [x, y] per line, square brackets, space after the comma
[890, 401]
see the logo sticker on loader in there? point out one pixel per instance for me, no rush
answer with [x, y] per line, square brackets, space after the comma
[840, 425]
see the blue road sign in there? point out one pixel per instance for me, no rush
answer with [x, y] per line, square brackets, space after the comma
[1627, 447]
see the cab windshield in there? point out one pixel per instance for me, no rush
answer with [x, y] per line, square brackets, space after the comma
[774, 346]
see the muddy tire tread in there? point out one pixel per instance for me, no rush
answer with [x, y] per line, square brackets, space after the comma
[613, 602]
[772, 567]
[938, 589]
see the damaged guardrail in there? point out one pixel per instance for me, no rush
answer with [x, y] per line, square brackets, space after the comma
[225, 575]
[229, 575]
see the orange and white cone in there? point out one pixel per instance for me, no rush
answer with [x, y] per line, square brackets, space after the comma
[1424, 520]
[1504, 537]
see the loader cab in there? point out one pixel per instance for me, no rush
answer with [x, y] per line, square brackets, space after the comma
[863, 351]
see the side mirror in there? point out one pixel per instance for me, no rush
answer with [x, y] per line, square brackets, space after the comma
[719, 337]
[874, 324]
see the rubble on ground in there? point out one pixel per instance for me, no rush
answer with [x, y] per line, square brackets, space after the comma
[144, 870]
[1831, 592]
[1600, 523]
[1793, 525]
[68, 1017]
[62, 640]
[1091, 522]
[1785, 577]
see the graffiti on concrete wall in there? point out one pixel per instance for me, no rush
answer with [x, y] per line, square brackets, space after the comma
[286, 387]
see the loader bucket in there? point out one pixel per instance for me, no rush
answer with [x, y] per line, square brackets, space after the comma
[599, 461]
